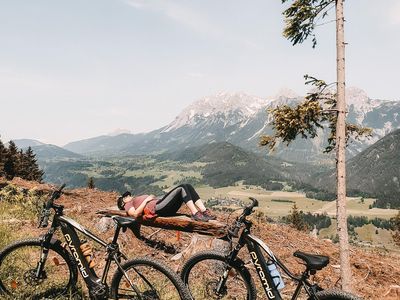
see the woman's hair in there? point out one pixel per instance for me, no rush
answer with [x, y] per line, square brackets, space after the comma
[120, 200]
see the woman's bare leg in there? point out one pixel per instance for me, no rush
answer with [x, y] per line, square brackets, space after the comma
[192, 207]
[199, 203]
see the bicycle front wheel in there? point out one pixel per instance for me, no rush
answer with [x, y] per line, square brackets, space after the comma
[147, 279]
[203, 274]
[18, 271]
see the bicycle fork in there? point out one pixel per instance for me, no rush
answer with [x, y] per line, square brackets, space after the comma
[39, 272]
[220, 289]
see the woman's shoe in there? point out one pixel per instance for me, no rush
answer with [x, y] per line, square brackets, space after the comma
[209, 215]
[199, 216]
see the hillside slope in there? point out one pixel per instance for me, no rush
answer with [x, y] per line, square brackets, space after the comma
[228, 164]
[375, 273]
[375, 171]
[49, 152]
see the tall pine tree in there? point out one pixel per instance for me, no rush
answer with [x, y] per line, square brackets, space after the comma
[12, 161]
[3, 158]
[31, 169]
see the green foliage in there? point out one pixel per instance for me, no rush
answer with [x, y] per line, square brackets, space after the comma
[305, 119]
[302, 17]
[318, 220]
[321, 195]
[283, 201]
[90, 183]
[307, 221]
[296, 219]
[15, 162]
[359, 221]
[19, 202]
[289, 122]
[312, 192]
[387, 200]
[194, 181]
[228, 164]
[395, 222]
[272, 186]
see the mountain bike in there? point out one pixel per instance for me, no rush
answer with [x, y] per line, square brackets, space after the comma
[42, 268]
[217, 275]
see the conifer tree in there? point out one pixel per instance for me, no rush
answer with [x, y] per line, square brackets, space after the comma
[3, 158]
[12, 160]
[396, 227]
[301, 18]
[296, 219]
[19, 164]
[90, 183]
[32, 171]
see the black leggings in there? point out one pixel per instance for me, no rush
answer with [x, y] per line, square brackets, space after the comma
[170, 203]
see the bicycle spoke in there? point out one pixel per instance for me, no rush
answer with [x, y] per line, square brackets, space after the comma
[151, 284]
[18, 274]
[206, 276]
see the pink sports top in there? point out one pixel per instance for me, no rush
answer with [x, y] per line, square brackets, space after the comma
[135, 202]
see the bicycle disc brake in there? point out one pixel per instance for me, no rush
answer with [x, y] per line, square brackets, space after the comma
[211, 290]
[31, 278]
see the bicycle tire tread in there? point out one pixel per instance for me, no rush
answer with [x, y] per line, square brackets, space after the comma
[336, 294]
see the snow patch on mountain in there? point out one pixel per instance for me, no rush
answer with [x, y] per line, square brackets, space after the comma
[232, 107]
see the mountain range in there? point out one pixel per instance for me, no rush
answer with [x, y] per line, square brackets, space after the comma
[224, 130]
[240, 119]
[46, 151]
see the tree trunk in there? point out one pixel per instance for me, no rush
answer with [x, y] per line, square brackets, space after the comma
[178, 222]
[345, 270]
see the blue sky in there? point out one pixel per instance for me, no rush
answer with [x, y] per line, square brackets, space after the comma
[81, 68]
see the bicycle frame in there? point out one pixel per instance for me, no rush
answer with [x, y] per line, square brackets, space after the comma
[256, 247]
[69, 228]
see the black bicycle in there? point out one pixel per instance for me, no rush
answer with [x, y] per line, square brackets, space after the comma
[43, 268]
[217, 275]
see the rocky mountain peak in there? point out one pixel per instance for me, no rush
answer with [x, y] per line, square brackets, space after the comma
[223, 103]
[356, 96]
[286, 93]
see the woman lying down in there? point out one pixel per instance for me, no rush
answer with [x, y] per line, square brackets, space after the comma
[167, 205]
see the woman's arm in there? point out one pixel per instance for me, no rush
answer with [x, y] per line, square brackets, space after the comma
[139, 211]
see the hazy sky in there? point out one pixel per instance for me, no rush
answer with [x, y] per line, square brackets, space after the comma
[75, 69]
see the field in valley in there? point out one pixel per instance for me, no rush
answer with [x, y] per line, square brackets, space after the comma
[272, 203]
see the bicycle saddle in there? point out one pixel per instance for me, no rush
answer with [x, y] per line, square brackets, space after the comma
[313, 261]
[124, 221]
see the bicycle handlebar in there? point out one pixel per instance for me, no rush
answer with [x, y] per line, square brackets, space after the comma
[239, 221]
[44, 221]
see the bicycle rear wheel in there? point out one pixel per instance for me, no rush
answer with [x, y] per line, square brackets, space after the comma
[202, 274]
[335, 294]
[18, 278]
[151, 280]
